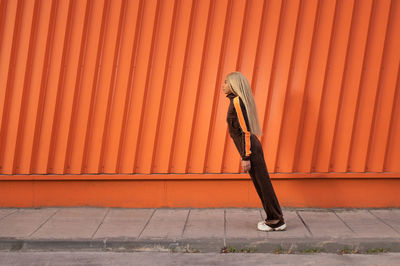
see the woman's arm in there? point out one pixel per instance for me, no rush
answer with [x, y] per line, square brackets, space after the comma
[245, 132]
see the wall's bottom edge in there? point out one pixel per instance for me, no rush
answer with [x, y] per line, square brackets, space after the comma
[326, 193]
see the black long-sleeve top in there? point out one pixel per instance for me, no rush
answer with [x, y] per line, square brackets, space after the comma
[238, 125]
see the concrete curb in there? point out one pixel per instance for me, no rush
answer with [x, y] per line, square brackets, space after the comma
[293, 245]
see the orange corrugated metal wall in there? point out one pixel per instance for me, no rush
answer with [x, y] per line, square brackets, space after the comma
[131, 86]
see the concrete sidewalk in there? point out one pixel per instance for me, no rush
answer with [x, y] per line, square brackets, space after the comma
[198, 230]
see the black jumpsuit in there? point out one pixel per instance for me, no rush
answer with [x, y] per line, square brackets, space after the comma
[250, 148]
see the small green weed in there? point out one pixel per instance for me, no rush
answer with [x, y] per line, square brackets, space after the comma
[279, 250]
[312, 250]
[232, 249]
[377, 250]
[347, 250]
[248, 250]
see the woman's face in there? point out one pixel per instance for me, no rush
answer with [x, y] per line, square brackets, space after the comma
[226, 88]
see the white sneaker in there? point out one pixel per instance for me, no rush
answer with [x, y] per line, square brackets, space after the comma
[262, 226]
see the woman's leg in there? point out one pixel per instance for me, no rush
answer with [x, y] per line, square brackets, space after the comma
[262, 182]
[256, 185]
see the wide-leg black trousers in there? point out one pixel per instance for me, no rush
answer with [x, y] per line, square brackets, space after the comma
[262, 182]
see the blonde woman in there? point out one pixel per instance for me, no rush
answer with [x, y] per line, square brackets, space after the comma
[243, 127]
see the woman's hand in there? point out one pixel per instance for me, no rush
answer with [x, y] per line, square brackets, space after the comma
[246, 165]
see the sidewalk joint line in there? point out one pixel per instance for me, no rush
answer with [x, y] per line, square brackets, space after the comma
[383, 221]
[8, 214]
[305, 225]
[184, 226]
[40, 226]
[148, 221]
[348, 226]
[224, 227]
[104, 217]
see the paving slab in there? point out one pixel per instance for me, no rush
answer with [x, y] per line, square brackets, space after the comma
[365, 224]
[160, 223]
[325, 224]
[242, 223]
[390, 217]
[124, 223]
[72, 223]
[205, 223]
[23, 222]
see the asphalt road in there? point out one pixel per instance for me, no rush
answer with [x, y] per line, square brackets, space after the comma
[168, 258]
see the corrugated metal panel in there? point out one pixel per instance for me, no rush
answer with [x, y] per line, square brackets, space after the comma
[130, 86]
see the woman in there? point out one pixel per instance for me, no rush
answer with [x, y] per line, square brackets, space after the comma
[243, 127]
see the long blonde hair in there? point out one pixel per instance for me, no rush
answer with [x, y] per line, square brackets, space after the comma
[240, 86]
